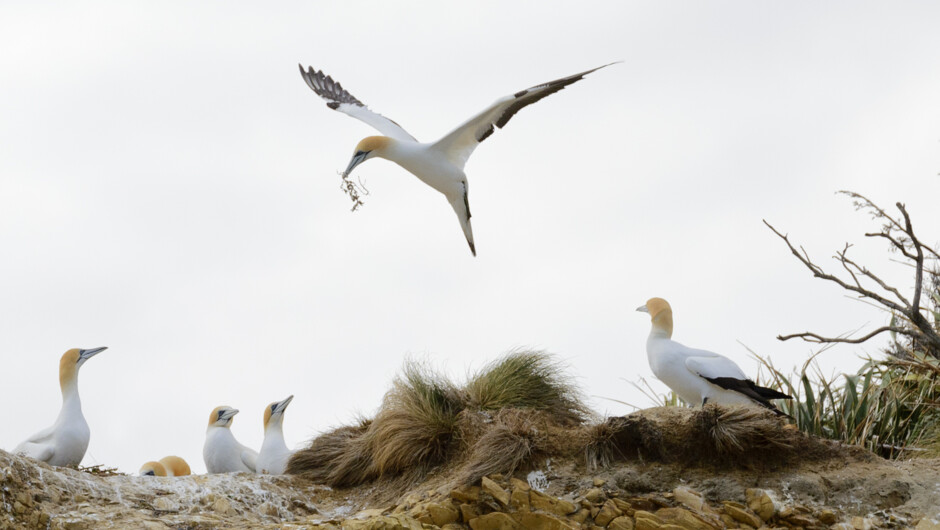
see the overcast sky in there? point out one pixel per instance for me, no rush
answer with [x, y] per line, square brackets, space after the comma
[169, 189]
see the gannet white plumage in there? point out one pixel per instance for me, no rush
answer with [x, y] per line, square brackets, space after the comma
[65, 442]
[221, 452]
[438, 164]
[698, 376]
[168, 466]
[272, 459]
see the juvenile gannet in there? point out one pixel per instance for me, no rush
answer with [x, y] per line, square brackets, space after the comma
[698, 376]
[222, 452]
[65, 442]
[168, 466]
[274, 452]
[438, 164]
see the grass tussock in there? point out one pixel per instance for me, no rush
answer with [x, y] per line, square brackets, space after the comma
[527, 380]
[514, 409]
[741, 437]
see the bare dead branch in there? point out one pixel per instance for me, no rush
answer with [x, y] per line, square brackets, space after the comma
[812, 337]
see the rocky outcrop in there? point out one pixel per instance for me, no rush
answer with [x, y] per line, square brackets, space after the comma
[846, 494]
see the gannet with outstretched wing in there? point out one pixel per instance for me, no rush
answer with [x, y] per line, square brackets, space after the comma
[438, 164]
[699, 376]
[65, 442]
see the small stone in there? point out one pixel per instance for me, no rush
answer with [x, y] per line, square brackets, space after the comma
[761, 503]
[468, 512]
[624, 506]
[542, 521]
[269, 509]
[742, 515]
[689, 497]
[19, 508]
[647, 520]
[827, 517]
[686, 519]
[621, 523]
[546, 503]
[494, 489]
[495, 521]
[519, 500]
[728, 520]
[581, 516]
[801, 521]
[595, 495]
[520, 485]
[442, 514]
[165, 504]
[598, 482]
[25, 499]
[861, 523]
[464, 494]
[223, 506]
[608, 513]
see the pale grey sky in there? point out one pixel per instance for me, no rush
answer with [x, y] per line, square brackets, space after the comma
[169, 189]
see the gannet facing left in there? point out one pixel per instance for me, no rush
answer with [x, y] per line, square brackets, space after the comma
[272, 459]
[221, 452]
[699, 376]
[65, 442]
[438, 164]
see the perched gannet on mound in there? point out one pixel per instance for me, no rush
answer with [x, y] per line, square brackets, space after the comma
[438, 164]
[698, 376]
[222, 452]
[168, 466]
[272, 459]
[65, 442]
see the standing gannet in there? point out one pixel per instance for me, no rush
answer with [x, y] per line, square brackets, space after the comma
[698, 376]
[168, 466]
[222, 452]
[274, 452]
[64, 443]
[439, 164]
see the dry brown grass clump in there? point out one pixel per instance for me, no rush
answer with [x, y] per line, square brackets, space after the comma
[504, 416]
[744, 437]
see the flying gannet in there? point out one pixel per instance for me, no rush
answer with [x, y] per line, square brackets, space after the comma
[698, 376]
[438, 164]
[168, 466]
[65, 442]
[272, 459]
[222, 453]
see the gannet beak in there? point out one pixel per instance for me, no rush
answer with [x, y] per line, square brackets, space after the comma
[229, 414]
[357, 159]
[282, 405]
[643, 309]
[84, 355]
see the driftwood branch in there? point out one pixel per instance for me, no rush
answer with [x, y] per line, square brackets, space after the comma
[899, 232]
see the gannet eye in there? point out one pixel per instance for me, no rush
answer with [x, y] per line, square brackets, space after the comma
[150, 473]
[273, 407]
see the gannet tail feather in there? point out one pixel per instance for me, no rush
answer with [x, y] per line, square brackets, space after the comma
[338, 98]
[461, 207]
[759, 394]
[460, 143]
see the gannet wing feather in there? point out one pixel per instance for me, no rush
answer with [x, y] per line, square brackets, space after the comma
[250, 459]
[711, 365]
[460, 143]
[338, 98]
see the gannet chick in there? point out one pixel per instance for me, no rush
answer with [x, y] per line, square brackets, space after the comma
[222, 453]
[438, 164]
[274, 452]
[168, 466]
[65, 442]
[699, 376]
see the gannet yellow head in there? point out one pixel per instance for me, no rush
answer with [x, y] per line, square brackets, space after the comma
[660, 313]
[275, 411]
[152, 469]
[222, 416]
[175, 466]
[369, 147]
[72, 360]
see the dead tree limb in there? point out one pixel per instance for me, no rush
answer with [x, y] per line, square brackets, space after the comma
[899, 232]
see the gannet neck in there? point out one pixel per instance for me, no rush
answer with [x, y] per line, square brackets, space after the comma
[662, 325]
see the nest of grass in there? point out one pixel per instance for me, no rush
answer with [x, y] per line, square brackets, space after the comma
[739, 437]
